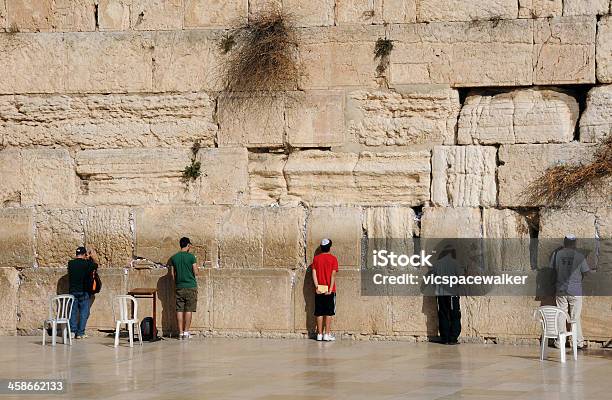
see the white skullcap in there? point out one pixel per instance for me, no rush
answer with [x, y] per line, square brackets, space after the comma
[325, 242]
[570, 237]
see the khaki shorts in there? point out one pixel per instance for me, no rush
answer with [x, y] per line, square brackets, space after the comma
[186, 299]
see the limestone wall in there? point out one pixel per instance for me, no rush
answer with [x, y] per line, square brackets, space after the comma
[102, 100]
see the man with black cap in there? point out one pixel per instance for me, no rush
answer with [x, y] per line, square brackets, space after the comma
[184, 271]
[79, 268]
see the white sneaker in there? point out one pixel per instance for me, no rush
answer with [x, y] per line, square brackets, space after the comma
[187, 335]
[319, 337]
[328, 337]
[72, 335]
[181, 336]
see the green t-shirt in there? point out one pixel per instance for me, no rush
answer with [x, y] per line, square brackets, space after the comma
[78, 269]
[182, 263]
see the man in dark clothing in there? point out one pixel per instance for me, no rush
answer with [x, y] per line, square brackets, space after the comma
[449, 311]
[79, 268]
[184, 267]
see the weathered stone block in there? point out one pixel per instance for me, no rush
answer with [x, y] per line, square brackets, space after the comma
[540, 8]
[340, 224]
[480, 316]
[596, 318]
[359, 12]
[284, 234]
[108, 121]
[134, 176]
[586, 7]
[35, 176]
[390, 223]
[414, 115]
[224, 175]
[460, 10]
[3, 21]
[399, 11]
[186, 61]
[315, 119]
[482, 53]
[450, 223]
[158, 230]
[251, 122]
[52, 15]
[556, 223]
[519, 116]
[267, 183]
[16, 237]
[236, 299]
[564, 50]
[604, 50]
[108, 62]
[36, 288]
[157, 15]
[34, 61]
[114, 15]
[596, 120]
[464, 176]
[604, 223]
[311, 13]
[108, 231]
[511, 251]
[58, 233]
[9, 284]
[215, 13]
[414, 315]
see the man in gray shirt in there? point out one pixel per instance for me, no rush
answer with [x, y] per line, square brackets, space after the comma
[570, 267]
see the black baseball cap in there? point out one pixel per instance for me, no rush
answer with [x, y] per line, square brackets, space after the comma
[81, 250]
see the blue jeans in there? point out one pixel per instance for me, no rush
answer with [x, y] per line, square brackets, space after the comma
[80, 313]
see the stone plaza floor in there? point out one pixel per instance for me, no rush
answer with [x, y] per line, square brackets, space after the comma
[277, 369]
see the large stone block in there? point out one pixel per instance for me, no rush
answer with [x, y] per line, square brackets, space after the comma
[149, 15]
[108, 231]
[9, 284]
[310, 13]
[540, 8]
[464, 176]
[604, 223]
[114, 15]
[35, 176]
[604, 50]
[267, 183]
[390, 223]
[481, 53]
[586, 7]
[34, 61]
[596, 318]
[58, 233]
[16, 238]
[359, 12]
[52, 15]
[556, 223]
[134, 176]
[414, 315]
[414, 115]
[399, 11]
[224, 178]
[37, 286]
[481, 317]
[284, 238]
[596, 120]
[519, 116]
[186, 61]
[315, 119]
[158, 230]
[215, 13]
[108, 62]
[508, 239]
[461, 10]
[237, 295]
[442, 222]
[108, 121]
[343, 225]
[564, 50]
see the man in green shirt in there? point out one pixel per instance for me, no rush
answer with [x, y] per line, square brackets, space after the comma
[184, 267]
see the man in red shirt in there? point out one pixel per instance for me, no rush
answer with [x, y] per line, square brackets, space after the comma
[324, 269]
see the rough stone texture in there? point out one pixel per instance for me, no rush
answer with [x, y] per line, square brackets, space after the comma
[390, 223]
[596, 120]
[311, 13]
[461, 10]
[32, 177]
[9, 283]
[359, 12]
[114, 284]
[481, 317]
[267, 183]
[3, 21]
[511, 253]
[157, 14]
[224, 178]
[340, 224]
[58, 233]
[556, 223]
[586, 7]
[414, 115]
[315, 119]
[114, 15]
[284, 238]
[414, 315]
[133, 176]
[214, 13]
[158, 230]
[251, 122]
[519, 116]
[16, 238]
[325, 178]
[604, 223]
[564, 50]
[236, 296]
[450, 223]
[36, 288]
[399, 11]
[596, 318]
[108, 121]
[604, 50]
[540, 8]
[52, 15]
[464, 176]
[108, 231]
[521, 164]
[338, 56]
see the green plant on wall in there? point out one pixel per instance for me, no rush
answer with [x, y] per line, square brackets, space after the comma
[192, 171]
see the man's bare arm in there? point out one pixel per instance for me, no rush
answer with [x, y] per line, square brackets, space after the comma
[332, 283]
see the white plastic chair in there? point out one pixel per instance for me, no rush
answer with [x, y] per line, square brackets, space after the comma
[125, 304]
[554, 320]
[60, 309]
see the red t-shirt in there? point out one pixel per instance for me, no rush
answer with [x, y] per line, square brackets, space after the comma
[325, 264]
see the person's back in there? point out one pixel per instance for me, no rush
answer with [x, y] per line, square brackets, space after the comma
[325, 264]
[183, 268]
[569, 265]
[79, 269]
